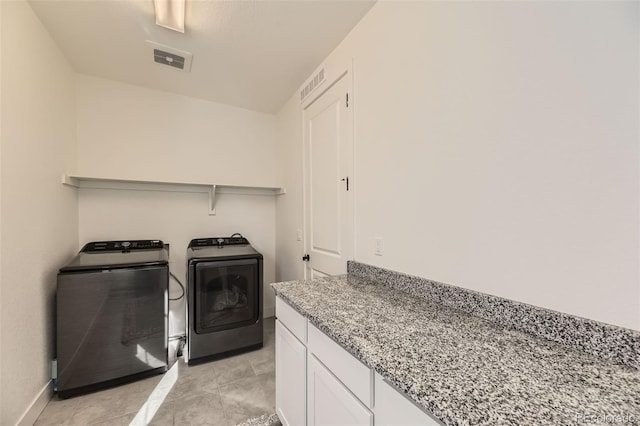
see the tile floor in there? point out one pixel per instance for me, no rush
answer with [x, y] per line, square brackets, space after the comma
[218, 393]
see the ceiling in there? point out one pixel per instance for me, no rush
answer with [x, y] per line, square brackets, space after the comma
[251, 54]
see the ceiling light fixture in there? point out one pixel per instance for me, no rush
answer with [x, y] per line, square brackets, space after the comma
[170, 14]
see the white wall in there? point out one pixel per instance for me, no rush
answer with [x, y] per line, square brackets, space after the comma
[497, 149]
[39, 221]
[135, 132]
[127, 131]
[1, 134]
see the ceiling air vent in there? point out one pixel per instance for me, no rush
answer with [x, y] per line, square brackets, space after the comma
[312, 84]
[174, 58]
[167, 58]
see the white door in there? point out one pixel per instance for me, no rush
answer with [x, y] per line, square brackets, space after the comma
[291, 380]
[328, 142]
[329, 402]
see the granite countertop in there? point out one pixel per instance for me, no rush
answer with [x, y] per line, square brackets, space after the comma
[464, 369]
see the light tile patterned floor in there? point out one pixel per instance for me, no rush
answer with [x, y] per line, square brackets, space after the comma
[219, 393]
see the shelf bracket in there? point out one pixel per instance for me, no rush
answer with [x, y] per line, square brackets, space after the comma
[70, 181]
[212, 200]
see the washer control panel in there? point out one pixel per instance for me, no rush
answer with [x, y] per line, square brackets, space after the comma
[98, 246]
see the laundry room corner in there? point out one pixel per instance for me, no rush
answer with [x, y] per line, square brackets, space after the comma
[131, 132]
[176, 218]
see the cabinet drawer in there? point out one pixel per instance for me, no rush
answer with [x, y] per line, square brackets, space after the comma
[291, 319]
[352, 373]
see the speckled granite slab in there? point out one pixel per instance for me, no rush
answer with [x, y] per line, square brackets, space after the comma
[464, 369]
[263, 420]
[620, 345]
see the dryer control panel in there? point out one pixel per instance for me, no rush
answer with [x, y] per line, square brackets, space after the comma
[219, 241]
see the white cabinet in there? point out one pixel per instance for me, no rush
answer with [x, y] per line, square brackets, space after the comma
[393, 409]
[291, 360]
[319, 383]
[290, 318]
[328, 400]
[356, 376]
[291, 365]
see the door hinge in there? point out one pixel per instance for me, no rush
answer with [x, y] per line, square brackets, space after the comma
[306, 258]
[347, 100]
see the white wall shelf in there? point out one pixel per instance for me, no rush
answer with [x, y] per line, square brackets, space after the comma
[94, 182]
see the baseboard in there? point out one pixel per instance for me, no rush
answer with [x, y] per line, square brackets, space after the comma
[37, 405]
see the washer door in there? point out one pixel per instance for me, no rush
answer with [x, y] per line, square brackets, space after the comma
[110, 324]
[226, 295]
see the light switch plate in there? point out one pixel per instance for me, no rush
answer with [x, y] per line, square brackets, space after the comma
[377, 248]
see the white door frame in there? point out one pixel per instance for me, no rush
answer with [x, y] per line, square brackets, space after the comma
[347, 73]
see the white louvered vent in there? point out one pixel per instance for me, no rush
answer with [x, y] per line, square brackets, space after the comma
[169, 56]
[312, 84]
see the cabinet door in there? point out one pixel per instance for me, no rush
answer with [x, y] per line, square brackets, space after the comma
[291, 357]
[393, 409]
[329, 402]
